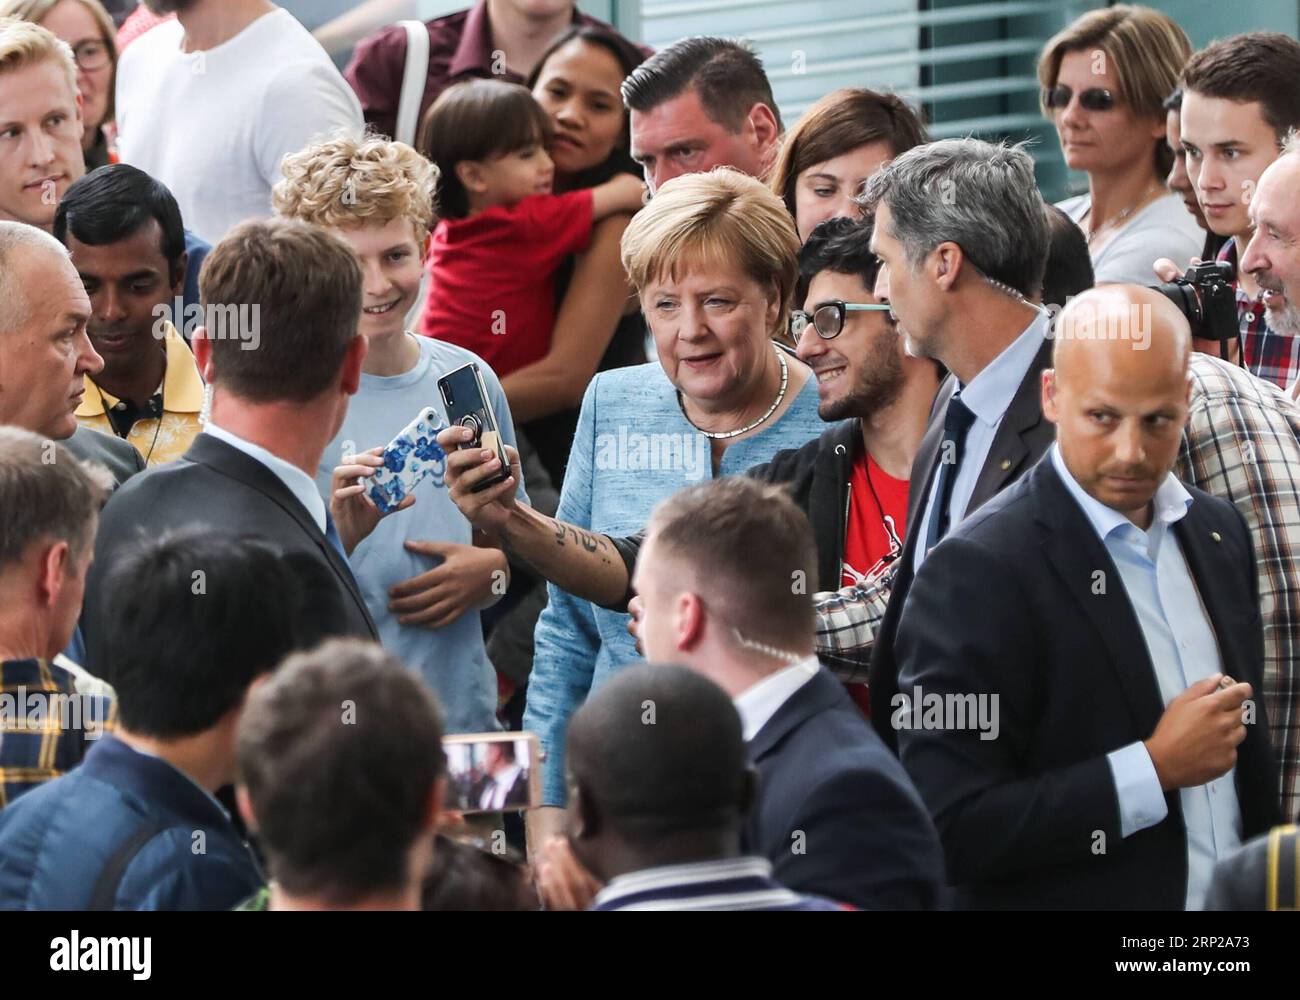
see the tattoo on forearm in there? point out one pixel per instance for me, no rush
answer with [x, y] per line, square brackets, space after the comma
[590, 542]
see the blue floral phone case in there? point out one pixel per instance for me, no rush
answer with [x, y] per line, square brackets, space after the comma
[409, 458]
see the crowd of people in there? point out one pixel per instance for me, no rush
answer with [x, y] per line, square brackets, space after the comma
[858, 530]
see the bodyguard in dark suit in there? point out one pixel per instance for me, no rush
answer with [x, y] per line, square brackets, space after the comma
[835, 813]
[972, 214]
[823, 772]
[1103, 619]
[283, 356]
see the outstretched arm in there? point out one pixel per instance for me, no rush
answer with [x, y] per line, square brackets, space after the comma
[584, 563]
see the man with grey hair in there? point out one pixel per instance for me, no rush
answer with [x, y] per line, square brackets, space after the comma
[51, 504]
[45, 352]
[961, 233]
[1272, 257]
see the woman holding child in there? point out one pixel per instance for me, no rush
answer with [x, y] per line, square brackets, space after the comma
[535, 192]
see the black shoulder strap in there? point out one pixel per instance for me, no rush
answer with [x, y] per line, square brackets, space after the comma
[105, 893]
[1283, 885]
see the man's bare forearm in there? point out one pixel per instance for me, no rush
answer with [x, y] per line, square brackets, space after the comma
[582, 562]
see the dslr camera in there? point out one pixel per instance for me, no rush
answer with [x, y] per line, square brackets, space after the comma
[1205, 295]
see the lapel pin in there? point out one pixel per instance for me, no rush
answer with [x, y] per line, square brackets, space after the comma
[1006, 464]
[1216, 536]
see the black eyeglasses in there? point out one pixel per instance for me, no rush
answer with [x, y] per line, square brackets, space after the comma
[1093, 99]
[92, 54]
[827, 318]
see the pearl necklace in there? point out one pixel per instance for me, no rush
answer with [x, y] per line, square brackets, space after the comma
[723, 435]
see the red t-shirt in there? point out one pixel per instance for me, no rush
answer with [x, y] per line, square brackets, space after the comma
[868, 539]
[492, 276]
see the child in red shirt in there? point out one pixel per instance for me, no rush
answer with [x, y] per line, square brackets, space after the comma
[503, 234]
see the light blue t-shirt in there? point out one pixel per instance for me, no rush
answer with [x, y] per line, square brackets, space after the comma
[452, 659]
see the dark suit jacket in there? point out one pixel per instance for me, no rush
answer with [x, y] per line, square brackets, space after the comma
[220, 487]
[1021, 440]
[119, 457]
[866, 836]
[1009, 606]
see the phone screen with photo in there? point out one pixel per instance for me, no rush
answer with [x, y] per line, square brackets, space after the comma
[492, 772]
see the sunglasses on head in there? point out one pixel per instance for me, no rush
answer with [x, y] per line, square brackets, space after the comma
[827, 318]
[1093, 99]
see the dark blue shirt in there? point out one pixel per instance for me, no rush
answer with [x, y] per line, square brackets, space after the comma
[57, 839]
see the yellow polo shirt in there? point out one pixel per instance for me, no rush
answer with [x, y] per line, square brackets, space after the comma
[182, 396]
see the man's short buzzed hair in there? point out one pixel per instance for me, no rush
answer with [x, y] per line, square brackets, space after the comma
[18, 241]
[339, 752]
[751, 553]
[634, 773]
[46, 494]
[726, 74]
[1258, 66]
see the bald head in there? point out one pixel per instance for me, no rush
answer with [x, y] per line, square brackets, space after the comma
[1118, 392]
[1126, 324]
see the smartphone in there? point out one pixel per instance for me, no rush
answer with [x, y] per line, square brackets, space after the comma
[409, 459]
[465, 398]
[492, 772]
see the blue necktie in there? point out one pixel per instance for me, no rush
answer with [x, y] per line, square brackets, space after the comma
[332, 536]
[956, 423]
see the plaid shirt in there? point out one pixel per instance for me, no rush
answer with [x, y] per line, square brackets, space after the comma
[1269, 354]
[1242, 443]
[847, 620]
[46, 726]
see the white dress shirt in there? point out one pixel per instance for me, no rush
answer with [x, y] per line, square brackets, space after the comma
[295, 480]
[758, 703]
[988, 396]
[1183, 650]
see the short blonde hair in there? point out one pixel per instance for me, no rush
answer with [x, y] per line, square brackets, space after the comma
[1146, 49]
[37, 11]
[24, 44]
[720, 217]
[347, 181]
